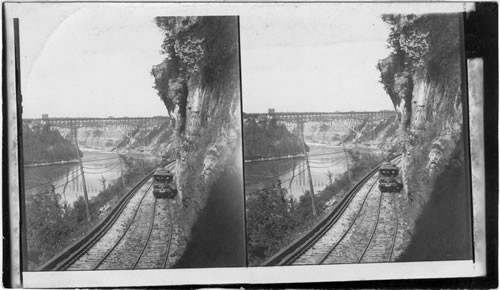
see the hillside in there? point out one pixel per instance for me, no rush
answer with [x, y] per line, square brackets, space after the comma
[199, 84]
[422, 76]
[154, 140]
[44, 144]
[380, 134]
[269, 139]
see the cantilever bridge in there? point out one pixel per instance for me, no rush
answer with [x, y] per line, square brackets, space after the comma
[348, 119]
[301, 117]
[98, 122]
[126, 125]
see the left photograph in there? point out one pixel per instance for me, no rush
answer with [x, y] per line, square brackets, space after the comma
[131, 135]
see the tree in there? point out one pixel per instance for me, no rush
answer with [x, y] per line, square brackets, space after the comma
[269, 220]
[269, 139]
[48, 224]
[44, 144]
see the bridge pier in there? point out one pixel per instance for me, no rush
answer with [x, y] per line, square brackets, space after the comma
[311, 187]
[74, 134]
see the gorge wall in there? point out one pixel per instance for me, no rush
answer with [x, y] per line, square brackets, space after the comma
[380, 133]
[199, 84]
[423, 78]
[153, 140]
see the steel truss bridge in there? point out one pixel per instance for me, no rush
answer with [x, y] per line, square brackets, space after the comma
[126, 125]
[347, 119]
[302, 117]
[98, 122]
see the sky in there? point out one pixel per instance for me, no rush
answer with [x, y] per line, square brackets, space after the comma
[95, 60]
[93, 63]
[311, 60]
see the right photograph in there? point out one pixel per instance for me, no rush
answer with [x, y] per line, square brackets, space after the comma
[355, 144]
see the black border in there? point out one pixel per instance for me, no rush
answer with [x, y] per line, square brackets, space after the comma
[481, 40]
[242, 143]
[481, 31]
[20, 150]
[6, 229]
[464, 87]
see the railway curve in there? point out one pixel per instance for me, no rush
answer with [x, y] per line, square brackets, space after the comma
[362, 229]
[137, 234]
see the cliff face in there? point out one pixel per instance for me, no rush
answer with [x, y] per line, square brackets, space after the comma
[422, 76]
[152, 140]
[380, 134]
[199, 83]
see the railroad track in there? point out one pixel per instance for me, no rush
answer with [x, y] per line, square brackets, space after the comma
[362, 229]
[138, 234]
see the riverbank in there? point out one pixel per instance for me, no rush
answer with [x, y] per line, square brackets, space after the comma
[325, 163]
[276, 158]
[53, 224]
[36, 164]
[274, 220]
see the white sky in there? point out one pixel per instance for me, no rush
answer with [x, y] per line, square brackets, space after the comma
[94, 60]
[92, 63]
[321, 59]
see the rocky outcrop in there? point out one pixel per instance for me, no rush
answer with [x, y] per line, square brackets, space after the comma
[199, 84]
[377, 134]
[422, 76]
[152, 140]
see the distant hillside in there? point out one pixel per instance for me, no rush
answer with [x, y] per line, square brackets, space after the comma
[381, 134]
[43, 144]
[378, 134]
[268, 139]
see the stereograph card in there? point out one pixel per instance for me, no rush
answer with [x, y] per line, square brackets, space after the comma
[242, 143]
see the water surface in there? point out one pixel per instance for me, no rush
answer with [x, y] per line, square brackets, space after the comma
[292, 174]
[67, 179]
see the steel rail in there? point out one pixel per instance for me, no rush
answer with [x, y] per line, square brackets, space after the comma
[78, 248]
[171, 222]
[352, 224]
[349, 228]
[132, 220]
[287, 255]
[397, 228]
[149, 235]
[374, 227]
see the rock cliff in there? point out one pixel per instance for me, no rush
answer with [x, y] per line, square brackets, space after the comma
[423, 78]
[199, 84]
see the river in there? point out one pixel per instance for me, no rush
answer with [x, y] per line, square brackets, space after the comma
[292, 173]
[97, 165]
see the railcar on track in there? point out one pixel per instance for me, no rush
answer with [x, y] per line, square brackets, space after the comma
[163, 184]
[389, 178]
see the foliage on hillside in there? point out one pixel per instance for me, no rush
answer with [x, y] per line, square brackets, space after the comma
[199, 84]
[422, 76]
[53, 224]
[43, 144]
[202, 46]
[274, 220]
[423, 47]
[269, 139]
